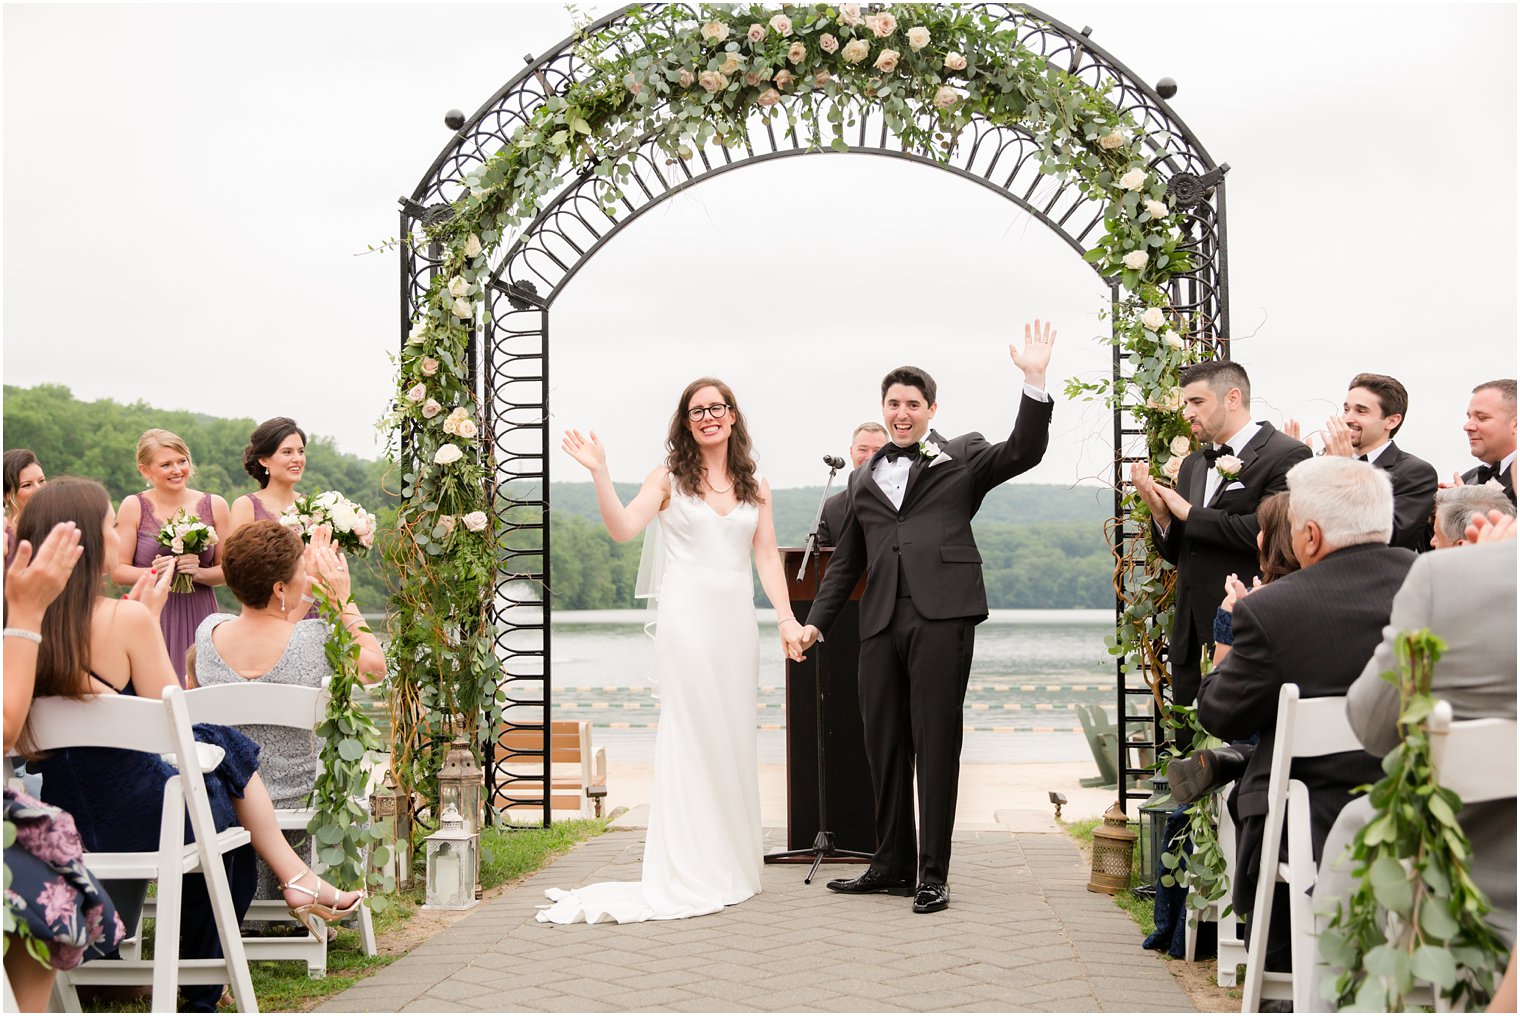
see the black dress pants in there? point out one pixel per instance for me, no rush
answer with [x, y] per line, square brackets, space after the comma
[912, 680]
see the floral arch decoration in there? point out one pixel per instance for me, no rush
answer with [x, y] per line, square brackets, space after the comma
[654, 98]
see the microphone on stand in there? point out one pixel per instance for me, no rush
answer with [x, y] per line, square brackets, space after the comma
[835, 463]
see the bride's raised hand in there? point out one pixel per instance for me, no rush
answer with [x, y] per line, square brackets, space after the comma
[587, 451]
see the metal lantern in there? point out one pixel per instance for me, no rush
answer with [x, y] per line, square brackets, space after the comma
[460, 786]
[452, 857]
[1113, 853]
[1153, 815]
[390, 811]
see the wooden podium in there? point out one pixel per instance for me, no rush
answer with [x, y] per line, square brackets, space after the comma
[847, 776]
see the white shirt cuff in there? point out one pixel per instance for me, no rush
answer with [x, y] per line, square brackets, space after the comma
[1038, 394]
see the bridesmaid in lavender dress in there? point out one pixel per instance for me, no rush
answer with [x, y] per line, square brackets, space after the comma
[164, 461]
[276, 457]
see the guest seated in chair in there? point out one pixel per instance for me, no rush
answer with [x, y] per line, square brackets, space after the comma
[270, 642]
[61, 906]
[1456, 507]
[1315, 628]
[92, 645]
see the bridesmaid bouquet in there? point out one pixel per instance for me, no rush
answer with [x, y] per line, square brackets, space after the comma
[353, 528]
[185, 534]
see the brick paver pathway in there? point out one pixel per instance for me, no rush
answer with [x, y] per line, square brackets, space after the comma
[1022, 934]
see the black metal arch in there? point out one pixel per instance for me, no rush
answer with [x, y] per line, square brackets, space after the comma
[509, 364]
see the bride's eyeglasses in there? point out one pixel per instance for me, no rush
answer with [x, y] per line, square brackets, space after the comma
[717, 411]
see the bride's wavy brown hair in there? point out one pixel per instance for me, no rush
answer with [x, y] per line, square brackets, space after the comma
[684, 459]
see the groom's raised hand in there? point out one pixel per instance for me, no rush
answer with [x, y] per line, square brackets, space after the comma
[1035, 356]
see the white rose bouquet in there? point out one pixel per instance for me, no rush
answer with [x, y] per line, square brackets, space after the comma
[353, 528]
[185, 534]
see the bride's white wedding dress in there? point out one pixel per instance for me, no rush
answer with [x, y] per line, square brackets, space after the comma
[703, 849]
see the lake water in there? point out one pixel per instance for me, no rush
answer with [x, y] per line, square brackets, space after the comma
[1031, 668]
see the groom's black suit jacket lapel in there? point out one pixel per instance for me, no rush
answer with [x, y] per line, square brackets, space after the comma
[929, 538]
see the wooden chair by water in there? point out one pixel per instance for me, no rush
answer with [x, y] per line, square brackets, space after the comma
[577, 771]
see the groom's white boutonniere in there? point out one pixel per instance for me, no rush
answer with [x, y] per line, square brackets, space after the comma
[928, 449]
[1229, 467]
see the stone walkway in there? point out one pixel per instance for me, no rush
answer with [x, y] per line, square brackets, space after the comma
[1022, 934]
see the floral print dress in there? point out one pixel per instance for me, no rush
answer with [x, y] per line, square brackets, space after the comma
[50, 890]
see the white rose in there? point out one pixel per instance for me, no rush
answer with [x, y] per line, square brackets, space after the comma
[849, 14]
[447, 454]
[1172, 339]
[918, 38]
[472, 247]
[327, 498]
[462, 309]
[1174, 398]
[955, 62]
[946, 97]
[1157, 209]
[715, 31]
[475, 521]
[1181, 445]
[417, 392]
[796, 52]
[458, 416]
[1229, 464]
[856, 50]
[1172, 467]
[886, 61]
[1110, 141]
[883, 25]
[731, 63]
[1133, 180]
[458, 287]
[781, 24]
[756, 32]
[1136, 259]
[177, 545]
[467, 429]
[686, 78]
[430, 409]
[447, 522]
[419, 330]
[712, 81]
[428, 366]
[1153, 318]
[828, 43]
[343, 518]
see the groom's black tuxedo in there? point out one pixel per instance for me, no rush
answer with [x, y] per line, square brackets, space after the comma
[923, 598]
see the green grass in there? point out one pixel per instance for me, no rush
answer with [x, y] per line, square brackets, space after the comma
[506, 855]
[1141, 908]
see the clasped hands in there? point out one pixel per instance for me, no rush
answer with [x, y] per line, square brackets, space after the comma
[797, 638]
[1164, 503]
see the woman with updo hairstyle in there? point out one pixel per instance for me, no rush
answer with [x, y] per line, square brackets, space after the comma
[164, 461]
[276, 458]
[268, 570]
[23, 478]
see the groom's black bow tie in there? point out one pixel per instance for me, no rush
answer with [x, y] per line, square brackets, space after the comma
[1211, 455]
[1488, 472]
[892, 451]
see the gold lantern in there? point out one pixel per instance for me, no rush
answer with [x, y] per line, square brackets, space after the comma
[390, 811]
[460, 786]
[452, 857]
[1113, 853]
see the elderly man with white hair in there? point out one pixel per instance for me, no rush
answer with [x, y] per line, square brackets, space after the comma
[1315, 628]
[1456, 507]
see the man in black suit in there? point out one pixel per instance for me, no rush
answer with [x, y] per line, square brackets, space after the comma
[1374, 411]
[1457, 507]
[865, 442]
[1207, 526]
[1316, 628]
[908, 527]
[1490, 431]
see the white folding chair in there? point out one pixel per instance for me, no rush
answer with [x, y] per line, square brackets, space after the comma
[1306, 728]
[1232, 950]
[278, 705]
[161, 728]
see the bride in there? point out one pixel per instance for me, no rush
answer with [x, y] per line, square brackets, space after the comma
[703, 849]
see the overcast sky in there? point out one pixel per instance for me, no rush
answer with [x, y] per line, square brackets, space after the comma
[190, 191]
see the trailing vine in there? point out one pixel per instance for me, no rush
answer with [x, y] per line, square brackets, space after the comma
[1415, 912]
[689, 83]
[1194, 858]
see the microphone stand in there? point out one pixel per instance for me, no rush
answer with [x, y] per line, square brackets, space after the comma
[823, 844]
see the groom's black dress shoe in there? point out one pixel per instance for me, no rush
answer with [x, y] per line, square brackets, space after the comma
[872, 881]
[1191, 778]
[931, 897]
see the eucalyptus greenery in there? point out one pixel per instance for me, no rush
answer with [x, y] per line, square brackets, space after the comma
[692, 84]
[1194, 858]
[1416, 912]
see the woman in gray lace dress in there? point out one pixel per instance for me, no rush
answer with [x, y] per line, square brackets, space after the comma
[268, 570]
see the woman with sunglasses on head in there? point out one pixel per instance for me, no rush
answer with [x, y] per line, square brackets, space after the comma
[703, 849]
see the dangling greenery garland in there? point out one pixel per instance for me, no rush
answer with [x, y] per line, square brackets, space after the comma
[689, 82]
[1416, 911]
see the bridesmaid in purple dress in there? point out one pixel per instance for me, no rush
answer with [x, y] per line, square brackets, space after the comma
[276, 457]
[164, 461]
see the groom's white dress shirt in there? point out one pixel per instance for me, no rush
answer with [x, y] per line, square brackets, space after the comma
[1237, 443]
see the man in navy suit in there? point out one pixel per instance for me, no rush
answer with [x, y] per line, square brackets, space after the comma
[908, 528]
[1207, 526]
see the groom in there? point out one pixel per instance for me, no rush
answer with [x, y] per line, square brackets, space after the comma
[908, 527]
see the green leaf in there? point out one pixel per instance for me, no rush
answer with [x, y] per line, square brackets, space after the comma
[1442, 811]
[1390, 884]
[350, 750]
[1434, 964]
[1436, 921]
[330, 834]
